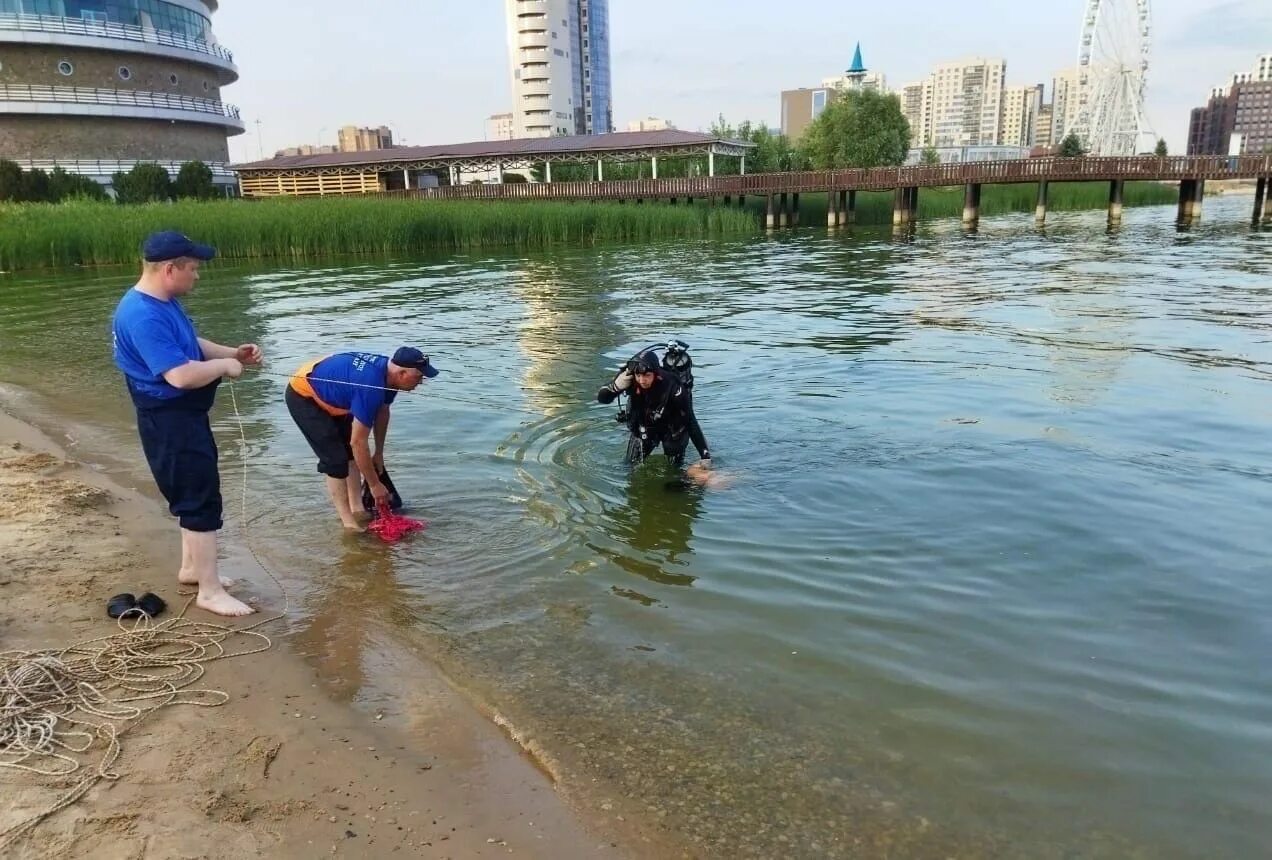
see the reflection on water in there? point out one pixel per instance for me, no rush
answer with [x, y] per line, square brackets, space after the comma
[990, 582]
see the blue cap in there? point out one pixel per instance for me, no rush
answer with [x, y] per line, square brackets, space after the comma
[171, 245]
[409, 356]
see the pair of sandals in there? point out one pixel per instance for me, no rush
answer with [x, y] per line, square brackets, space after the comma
[127, 606]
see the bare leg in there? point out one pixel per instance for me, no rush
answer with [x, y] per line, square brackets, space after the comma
[354, 485]
[200, 548]
[187, 575]
[336, 488]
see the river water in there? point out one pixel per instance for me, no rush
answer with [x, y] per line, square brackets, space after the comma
[991, 579]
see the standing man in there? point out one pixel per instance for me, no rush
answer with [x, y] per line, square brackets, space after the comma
[660, 411]
[172, 375]
[338, 402]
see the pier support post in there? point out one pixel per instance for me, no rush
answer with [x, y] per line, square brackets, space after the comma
[1260, 196]
[912, 204]
[783, 212]
[971, 204]
[1199, 195]
[1040, 211]
[770, 214]
[794, 210]
[832, 208]
[741, 201]
[848, 212]
[1184, 212]
[1116, 187]
[898, 207]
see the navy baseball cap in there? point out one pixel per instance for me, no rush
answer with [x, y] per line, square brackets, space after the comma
[171, 245]
[409, 356]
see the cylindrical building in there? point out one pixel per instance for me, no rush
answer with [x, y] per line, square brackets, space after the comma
[95, 86]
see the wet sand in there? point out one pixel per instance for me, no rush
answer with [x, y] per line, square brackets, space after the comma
[280, 770]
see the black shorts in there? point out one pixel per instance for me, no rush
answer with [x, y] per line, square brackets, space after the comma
[182, 454]
[329, 435]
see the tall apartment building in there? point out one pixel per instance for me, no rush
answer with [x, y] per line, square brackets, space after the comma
[916, 105]
[967, 102]
[1238, 115]
[1065, 101]
[1021, 106]
[354, 139]
[559, 54]
[1042, 127]
[499, 127]
[98, 85]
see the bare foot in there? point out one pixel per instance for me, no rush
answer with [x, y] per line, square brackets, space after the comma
[223, 604]
[190, 579]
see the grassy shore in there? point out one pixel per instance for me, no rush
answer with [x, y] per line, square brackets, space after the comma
[83, 233]
[38, 235]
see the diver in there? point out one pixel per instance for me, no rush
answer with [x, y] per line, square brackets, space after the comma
[660, 407]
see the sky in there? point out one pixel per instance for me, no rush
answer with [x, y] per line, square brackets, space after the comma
[433, 70]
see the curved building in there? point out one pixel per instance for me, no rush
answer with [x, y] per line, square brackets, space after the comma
[559, 56]
[96, 86]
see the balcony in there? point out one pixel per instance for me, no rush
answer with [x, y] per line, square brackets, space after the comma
[537, 39]
[87, 101]
[54, 30]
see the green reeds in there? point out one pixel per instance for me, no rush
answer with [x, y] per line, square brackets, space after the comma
[82, 233]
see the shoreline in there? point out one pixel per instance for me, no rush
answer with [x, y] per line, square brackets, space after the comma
[282, 769]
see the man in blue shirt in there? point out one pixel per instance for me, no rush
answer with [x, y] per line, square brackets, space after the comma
[172, 375]
[338, 402]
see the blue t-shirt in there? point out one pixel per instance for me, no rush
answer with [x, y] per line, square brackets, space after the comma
[152, 337]
[361, 368]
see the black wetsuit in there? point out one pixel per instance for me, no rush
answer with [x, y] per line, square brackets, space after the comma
[663, 414]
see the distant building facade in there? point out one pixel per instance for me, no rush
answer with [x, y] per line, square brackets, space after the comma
[1021, 106]
[650, 123]
[1237, 119]
[95, 86]
[1065, 101]
[800, 107]
[959, 104]
[499, 127]
[354, 139]
[305, 149]
[559, 57]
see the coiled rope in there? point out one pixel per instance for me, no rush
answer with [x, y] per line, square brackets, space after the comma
[56, 706]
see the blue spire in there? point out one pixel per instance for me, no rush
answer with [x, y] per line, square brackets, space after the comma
[857, 66]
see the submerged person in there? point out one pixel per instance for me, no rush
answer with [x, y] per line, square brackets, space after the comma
[172, 375]
[660, 411]
[339, 402]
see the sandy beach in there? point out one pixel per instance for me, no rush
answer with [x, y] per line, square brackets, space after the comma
[281, 769]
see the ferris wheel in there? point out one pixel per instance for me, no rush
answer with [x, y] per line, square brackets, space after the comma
[1112, 72]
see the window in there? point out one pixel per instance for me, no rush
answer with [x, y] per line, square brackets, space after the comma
[97, 16]
[125, 73]
[172, 79]
[65, 68]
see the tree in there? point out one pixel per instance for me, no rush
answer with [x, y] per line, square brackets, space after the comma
[1161, 147]
[10, 180]
[145, 183]
[69, 186]
[929, 156]
[194, 180]
[35, 188]
[861, 128]
[1071, 146]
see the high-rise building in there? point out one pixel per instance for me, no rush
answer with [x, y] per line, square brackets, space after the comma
[1065, 101]
[1042, 126]
[559, 54]
[916, 105]
[499, 127]
[98, 85]
[650, 123]
[354, 139]
[1238, 121]
[967, 102]
[306, 149]
[1020, 115]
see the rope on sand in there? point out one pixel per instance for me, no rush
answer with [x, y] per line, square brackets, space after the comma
[56, 706]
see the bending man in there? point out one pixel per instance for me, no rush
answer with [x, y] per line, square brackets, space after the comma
[172, 375]
[339, 402]
[661, 409]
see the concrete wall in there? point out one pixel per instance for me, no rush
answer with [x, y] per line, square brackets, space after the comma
[42, 137]
[37, 64]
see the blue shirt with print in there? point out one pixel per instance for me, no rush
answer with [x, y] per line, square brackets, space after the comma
[152, 337]
[361, 369]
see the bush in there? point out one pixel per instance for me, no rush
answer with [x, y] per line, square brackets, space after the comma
[10, 181]
[72, 186]
[145, 183]
[35, 187]
[194, 182]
